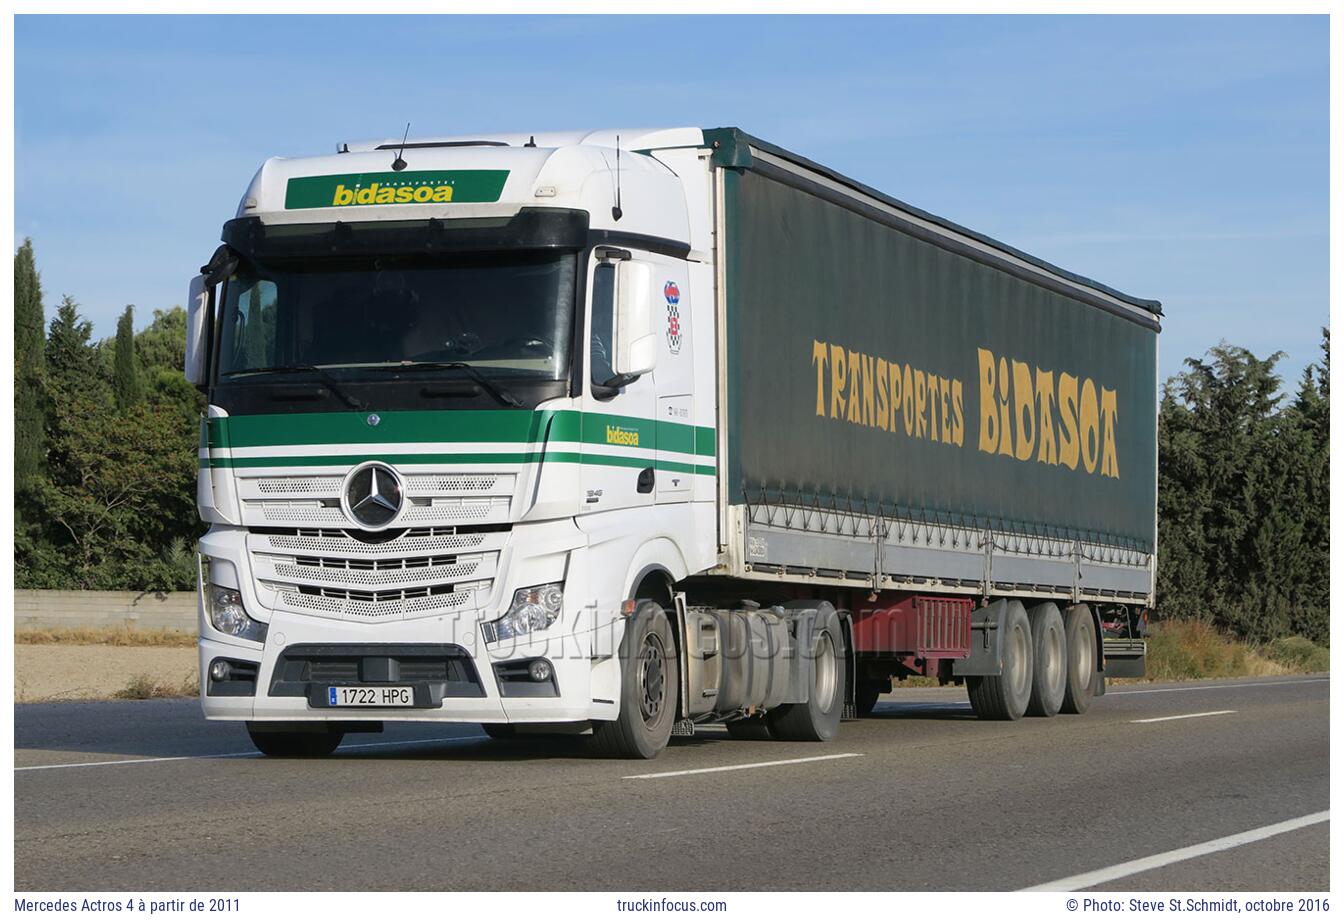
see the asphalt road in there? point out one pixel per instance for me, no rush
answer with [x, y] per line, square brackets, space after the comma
[149, 796]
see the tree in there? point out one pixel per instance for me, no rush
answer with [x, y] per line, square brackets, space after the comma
[1243, 497]
[161, 343]
[126, 384]
[70, 356]
[29, 366]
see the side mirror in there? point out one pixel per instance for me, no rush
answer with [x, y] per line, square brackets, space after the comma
[635, 341]
[200, 306]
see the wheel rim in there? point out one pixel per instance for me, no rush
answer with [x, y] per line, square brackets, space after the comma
[652, 686]
[1081, 655]
[823, 671]
[1019, 652]
[1053, 664]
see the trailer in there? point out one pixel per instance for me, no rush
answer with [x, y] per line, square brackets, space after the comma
[625, 432]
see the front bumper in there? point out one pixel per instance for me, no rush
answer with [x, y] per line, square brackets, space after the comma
[454, 674]
[455, 677]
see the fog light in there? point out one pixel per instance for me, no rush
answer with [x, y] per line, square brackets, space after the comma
[219, 670]
[539, 670]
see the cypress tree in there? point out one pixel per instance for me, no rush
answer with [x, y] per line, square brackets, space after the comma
[29, 367]
[126, 385]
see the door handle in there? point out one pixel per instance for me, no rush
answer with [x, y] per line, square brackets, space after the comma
[645, 483]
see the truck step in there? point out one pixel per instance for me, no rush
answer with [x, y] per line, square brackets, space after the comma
[684, 728]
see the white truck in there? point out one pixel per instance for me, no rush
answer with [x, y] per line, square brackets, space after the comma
[621, 432]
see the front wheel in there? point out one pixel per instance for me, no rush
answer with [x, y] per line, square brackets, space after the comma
[819, 718]
[649, 683]
[274, 743]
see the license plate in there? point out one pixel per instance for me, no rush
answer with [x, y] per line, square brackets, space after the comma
[370, 696]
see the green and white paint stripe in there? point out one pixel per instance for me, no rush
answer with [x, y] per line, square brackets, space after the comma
[470, 438]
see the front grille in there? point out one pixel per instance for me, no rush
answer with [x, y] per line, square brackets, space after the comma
[352, 575]
[435, 499]
[433, 671]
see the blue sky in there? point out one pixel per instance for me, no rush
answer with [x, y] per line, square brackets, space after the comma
[1179, 158]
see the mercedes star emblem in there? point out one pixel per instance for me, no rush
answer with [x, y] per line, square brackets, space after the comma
[373, 495]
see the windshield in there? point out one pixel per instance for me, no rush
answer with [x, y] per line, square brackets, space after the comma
[504, 314]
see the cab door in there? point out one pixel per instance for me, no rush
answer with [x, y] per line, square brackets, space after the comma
[618, 428]
[673, 378]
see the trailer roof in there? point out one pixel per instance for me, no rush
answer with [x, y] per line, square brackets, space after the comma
[733, 148]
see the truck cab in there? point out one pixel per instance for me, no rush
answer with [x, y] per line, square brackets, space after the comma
[461, 403]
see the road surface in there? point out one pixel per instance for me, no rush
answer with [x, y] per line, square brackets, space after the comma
[131, 796]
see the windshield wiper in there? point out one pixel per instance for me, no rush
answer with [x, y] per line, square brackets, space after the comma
[494, 389]
[322, 375]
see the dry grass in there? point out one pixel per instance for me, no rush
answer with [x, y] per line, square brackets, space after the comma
[105, 635]
[1195, 649]
[145, 687]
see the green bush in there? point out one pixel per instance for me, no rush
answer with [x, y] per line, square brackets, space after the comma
[1300, 654]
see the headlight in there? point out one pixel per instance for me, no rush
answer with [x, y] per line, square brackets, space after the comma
[225, 606]
[533, 609]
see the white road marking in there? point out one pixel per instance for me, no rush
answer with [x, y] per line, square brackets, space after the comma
[1135, 866]
[1267, 683]
[134, 760]
[1188, 715]
[741, 766]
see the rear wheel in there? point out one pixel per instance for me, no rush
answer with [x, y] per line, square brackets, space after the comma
[282, 743]
[648, 689]
[1048, 651]
[819, 718]
[1006, 695]
[866, 694]
[1080, 649]
[752, 729]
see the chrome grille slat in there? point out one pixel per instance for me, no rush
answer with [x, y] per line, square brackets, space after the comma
[439, 557]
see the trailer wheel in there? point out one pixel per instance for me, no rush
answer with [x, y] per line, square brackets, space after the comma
[1080, 642]
[819, 718]
[294, 743]
[649, 682]
[865, 697]
[752, 729]
[1050, 660]
[1005, 696]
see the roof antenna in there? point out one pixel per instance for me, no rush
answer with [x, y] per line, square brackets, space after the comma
[616, 211]
[531, 141]
[399, 164]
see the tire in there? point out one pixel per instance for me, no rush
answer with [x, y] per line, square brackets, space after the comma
[499, 731]
[649, 682]
[295, 743]
[819, 718]
[753, 729]
[1048, 648]
[1080, 644]
[865, 697]
[1005, 697]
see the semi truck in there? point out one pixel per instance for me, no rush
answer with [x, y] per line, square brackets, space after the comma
[624, 432]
